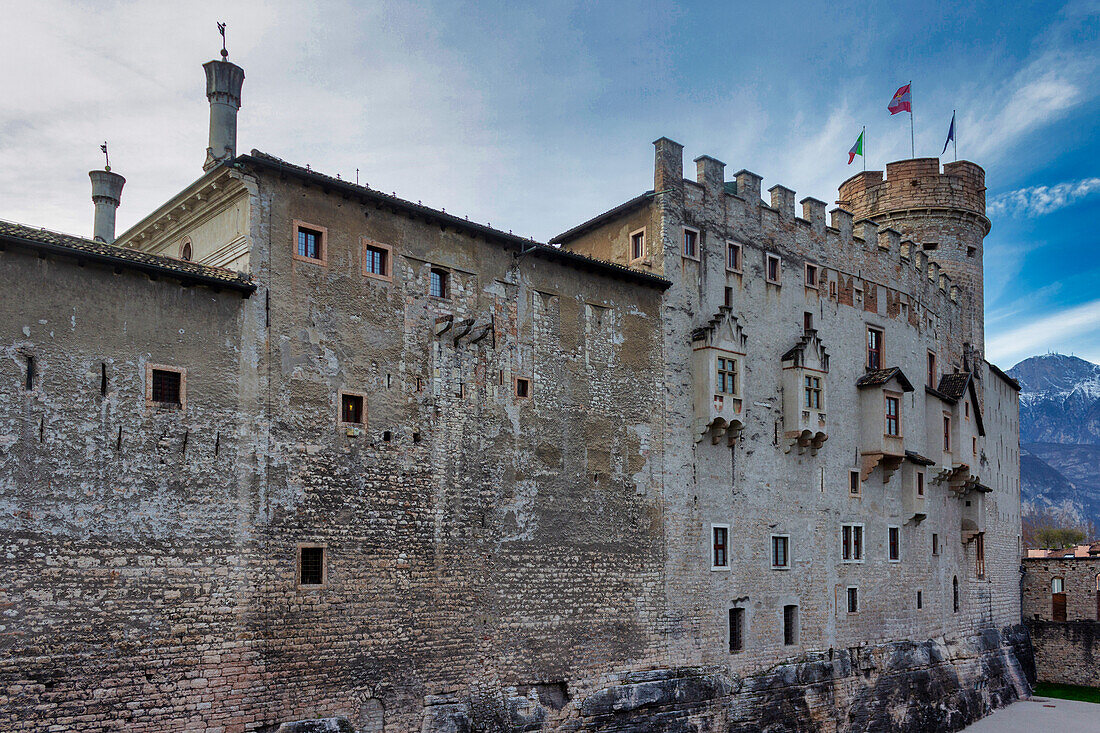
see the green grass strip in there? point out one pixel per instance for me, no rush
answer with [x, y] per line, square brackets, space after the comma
[1068, 692]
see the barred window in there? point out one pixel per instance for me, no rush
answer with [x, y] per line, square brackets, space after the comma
[737, 629]
[311, 565]
[166, 387]
[780, 551]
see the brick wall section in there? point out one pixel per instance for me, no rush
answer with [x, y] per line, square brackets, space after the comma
[1079, 576]
[1066, 652]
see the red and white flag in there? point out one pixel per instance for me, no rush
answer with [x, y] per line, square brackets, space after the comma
[901, 101]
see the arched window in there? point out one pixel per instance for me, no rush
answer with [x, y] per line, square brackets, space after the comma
[185, 249]
[955, 593]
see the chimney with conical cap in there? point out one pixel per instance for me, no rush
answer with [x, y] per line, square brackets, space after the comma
[106, 195]
[223, 88]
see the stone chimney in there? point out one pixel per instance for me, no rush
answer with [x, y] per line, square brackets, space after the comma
[223, 88]
[106, 195]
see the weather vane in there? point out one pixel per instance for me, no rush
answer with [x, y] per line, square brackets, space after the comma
[103, 147]
[221, 29]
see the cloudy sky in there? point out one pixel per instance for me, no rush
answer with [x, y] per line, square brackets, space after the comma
[535, 116]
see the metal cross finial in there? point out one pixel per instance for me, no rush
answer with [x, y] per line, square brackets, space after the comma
[221, 29]
[103, 147]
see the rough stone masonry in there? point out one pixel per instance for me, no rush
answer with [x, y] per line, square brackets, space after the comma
[295, 452]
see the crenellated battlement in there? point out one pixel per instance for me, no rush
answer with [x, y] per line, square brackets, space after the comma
[916, 184]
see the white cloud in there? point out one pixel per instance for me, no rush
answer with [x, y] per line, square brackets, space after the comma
[1075, 329]
[1039, 200]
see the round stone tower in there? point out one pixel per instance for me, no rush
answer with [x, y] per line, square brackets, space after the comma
[943, 213]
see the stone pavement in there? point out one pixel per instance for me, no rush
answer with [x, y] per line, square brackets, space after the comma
[1041, 714]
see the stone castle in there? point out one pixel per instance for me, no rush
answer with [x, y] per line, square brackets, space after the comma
[291, 449]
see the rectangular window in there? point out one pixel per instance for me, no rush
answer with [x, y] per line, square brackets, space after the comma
[733, 256]
[729, 297]
[979, 554]
[920, 484]
[875, 349]
[893, 416]
[854, 482]
[28, 381]
[311, 565]
[309, 242]
[946, 433]
[720, 538]
[852, 543]
[853, 600]
[691, 243]
[780, 556]
[920, 599]
[523, 387]
[737, 629]
[727, 375]
[790, 625]
[966, 405]
[637, 245]
[166, 387]
[377, 260]
[935, 544]
[807, 321]
[773, 268]
[932, 369]
[974, 446]
[812, 393]
[351, 408]
[438, 285]
[894, 535]
[811, 275]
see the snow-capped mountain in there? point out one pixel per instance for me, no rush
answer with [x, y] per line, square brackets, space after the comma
[1060, 435]
[1059, 401]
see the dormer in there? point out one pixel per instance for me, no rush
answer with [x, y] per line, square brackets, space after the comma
[805, 368]
[883, 421]
[717, 369]
[954, 422]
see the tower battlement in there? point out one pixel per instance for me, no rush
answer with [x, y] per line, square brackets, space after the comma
[916, 184]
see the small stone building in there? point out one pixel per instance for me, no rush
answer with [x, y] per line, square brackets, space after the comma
[1061, 606]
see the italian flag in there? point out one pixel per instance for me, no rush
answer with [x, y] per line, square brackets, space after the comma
[857, 149]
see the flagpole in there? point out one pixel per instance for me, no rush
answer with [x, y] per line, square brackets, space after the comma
[955, 139]
[912, 133]
[864, 156]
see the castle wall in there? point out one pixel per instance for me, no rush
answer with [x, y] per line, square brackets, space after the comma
[1079, 577]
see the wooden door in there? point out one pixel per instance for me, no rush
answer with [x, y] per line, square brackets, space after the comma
[1059, 610]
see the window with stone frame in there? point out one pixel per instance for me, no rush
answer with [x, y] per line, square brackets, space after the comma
[310, 243]
[876, 348]
[893, 535]
[691, 243]
[733, 256]
[719, 546]
[920, 484]
[946, 432]
[773, 268]
[165, 387]
[855, 482]
[737, 629]
[377, 260]
[352, 408]
[728, 381]
[637, 245]
[851, 538]
[935, 544]
[892, 415]
[523, 387]
[781, 558]
[790, 625]
[812, 393]
[311, 565]
[979, 555]
[811, 275]
[439, 285]
[853, 599]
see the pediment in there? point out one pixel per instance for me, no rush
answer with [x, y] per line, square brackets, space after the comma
[722, 331]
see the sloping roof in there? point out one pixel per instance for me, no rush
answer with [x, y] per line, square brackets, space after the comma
[879, 377]
[954, 385]
[88, 250]
[525, 246]
[1011, 382]
[917, 458]
[624, 208]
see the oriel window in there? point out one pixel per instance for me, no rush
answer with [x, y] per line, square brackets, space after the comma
[893, 416]
[727, 375]
[812, 390]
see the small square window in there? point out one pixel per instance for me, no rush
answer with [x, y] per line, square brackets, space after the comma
[691, 243]
[854, 482]
[773, 268]
[637, 245]
[352, 410]
[733, 256]
[894, 541]
[310, 243]
[853, 599]
[165, 387]
[311, 565]
[377, 260]
[719, 546]
[523, 387]
[781, 545]
[439, 287]
[811, 276]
